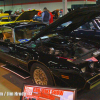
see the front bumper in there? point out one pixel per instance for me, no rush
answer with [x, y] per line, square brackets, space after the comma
[92, 82]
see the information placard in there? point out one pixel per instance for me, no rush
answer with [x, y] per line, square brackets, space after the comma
[34, 92]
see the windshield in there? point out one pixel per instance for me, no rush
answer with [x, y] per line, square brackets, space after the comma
[25, 33]
[87, 25]
[62, 26]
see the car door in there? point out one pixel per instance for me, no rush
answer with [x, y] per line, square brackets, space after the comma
[84, 33]
[7, 46]
[97, 35]
[23, 55]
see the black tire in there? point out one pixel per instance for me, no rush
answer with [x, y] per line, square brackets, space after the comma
[39, 67]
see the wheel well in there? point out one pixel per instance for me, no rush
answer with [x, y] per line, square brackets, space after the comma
[30, 64]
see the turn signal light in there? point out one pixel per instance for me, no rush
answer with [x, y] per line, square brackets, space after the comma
[66, 77]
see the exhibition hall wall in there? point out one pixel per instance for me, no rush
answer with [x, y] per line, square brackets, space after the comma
[39, 4]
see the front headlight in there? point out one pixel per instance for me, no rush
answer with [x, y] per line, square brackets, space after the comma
[83, 69]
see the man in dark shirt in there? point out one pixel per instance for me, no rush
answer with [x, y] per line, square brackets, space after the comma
[45, 16]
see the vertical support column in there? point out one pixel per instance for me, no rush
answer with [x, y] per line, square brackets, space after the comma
[12, 4]
[64, 6]
[86, 1]
[4, 5]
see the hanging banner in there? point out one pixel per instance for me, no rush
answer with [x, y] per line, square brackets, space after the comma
[34, 92]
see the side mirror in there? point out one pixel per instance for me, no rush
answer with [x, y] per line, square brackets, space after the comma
[7, 40]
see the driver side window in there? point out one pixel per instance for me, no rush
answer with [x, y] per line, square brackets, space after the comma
[87, 26]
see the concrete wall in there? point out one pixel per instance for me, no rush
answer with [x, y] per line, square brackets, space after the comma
[50, 5]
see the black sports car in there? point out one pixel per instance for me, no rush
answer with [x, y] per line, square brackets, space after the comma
[90, 30]
[52, 59]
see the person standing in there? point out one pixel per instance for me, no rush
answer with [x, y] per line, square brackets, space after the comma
[17, 13]
[45, 16]
[51, 17]
[39, 13]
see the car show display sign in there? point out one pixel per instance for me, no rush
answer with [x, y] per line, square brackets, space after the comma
[34, 92]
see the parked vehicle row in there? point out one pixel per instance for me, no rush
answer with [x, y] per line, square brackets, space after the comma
[26, 16]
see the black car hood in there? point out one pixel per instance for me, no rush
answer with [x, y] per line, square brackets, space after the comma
[27, 15]
[78, 18]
